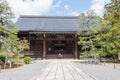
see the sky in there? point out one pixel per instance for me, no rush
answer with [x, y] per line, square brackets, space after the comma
[56, 7]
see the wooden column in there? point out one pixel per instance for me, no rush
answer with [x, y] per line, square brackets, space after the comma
[44, 47]
[76, 50]
[29, 40]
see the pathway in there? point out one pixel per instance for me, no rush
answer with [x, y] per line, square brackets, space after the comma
[62, 70]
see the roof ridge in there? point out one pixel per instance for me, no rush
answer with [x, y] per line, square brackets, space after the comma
[40, 16]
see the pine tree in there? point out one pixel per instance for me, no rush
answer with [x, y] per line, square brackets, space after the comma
[89, 25]
[5, 13]
[10, 44]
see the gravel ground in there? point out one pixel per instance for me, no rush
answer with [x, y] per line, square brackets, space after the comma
[25, 72]
[101, 71]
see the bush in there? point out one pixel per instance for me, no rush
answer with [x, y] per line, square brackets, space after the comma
[27, 60]
[2, 58]
[82, 55]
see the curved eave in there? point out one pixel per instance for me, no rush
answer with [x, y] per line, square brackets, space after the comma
[52, 32]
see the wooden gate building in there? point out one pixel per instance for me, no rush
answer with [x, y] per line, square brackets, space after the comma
[50, 36]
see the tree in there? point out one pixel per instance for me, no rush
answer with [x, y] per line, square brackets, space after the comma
[89, 25]
[5, 13]
[110, 31]
[10, 44]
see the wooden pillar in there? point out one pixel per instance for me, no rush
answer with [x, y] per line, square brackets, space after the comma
[29, 40]
[29, 37]
[73, 47]
[76, 50]
[44, 47]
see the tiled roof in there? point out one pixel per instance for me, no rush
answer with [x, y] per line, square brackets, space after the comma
[48, 23]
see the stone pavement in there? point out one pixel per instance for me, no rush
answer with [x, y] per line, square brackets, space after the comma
[62, 70]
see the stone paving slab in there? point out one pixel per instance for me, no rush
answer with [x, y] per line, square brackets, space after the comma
[62, 70]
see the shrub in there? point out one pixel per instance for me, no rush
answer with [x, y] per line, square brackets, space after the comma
[27, 60]
[2, 58]
[82, 55]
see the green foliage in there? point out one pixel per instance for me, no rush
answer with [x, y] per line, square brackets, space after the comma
[89, 24]
[10, 44]
[5, 13]
[27, 60]
[82, 55]
[2, 58]
[17, 57]
[110, 36]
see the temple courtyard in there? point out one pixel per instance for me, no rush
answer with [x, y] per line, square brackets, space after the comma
[62, 69]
